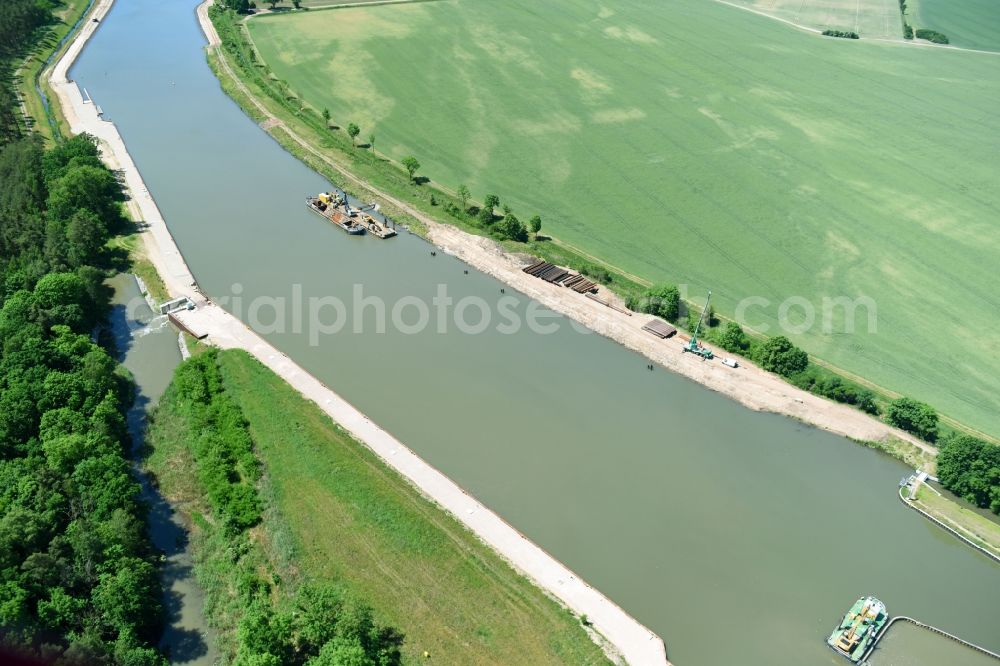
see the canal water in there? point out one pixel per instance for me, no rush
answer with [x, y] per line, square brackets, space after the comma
[147, 346]
[909, 645]
[739, 537]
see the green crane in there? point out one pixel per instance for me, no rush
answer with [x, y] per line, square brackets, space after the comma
[692, 345]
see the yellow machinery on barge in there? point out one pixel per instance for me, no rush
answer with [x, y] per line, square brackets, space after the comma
[335, 208]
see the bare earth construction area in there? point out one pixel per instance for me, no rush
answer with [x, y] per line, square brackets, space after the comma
[754, 160]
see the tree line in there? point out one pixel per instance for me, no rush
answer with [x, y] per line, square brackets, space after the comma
[501, 224]
[504, 225]
[966, 465]
[932, 35]
[317, 624]
[921, 33]
[228, 470]
[907, 28]
[779, 355]
[970, 468]
[79, 580]
[844, 34]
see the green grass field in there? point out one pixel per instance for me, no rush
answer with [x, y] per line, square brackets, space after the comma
[868, 18]
[696, 143]
[340, 515]
[973, 24]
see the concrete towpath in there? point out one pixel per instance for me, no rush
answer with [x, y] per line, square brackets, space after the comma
[83, 116]
[623, 636]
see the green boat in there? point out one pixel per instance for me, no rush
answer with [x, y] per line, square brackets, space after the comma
[858, 630]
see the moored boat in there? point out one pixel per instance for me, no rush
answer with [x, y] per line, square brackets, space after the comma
[857, 632]
[328, 205]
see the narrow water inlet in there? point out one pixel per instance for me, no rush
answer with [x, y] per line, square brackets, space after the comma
[148, 347]
[912, 645]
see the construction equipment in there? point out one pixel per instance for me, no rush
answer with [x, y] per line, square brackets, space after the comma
[692, 345]
[850, 638]
[860, 629]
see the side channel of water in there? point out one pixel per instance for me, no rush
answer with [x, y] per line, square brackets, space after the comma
[147, 346]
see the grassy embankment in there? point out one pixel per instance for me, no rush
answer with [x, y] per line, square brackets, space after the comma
[67, 14]
[135, 260]
[334, 513]
[905, 452]
[305, 121]
[976, 527]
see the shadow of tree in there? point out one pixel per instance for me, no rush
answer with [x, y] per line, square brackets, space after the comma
[186, 645]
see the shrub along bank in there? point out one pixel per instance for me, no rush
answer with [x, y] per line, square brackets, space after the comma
[774, 354]
[261, 625]
[914, 417]
[778, 355]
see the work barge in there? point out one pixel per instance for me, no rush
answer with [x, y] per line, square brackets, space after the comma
[866, 624]
[335, 207]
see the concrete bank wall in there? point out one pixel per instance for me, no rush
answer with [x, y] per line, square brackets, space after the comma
[948, 528]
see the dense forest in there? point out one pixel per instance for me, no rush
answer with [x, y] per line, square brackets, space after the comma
[79, 583]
